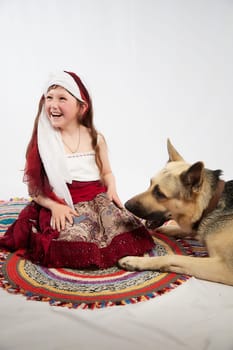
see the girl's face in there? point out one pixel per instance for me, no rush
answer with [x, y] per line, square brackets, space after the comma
[62, 109]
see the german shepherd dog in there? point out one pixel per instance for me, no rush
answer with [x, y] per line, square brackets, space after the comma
[202, 206]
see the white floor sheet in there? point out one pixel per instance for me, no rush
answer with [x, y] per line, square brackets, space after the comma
[198, 315]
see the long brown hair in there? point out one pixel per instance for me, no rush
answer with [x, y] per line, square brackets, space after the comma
[87, 118]
[34, 173]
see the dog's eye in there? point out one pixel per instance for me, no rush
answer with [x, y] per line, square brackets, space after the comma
[157, 193]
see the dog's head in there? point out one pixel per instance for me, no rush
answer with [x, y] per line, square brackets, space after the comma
[172, 192]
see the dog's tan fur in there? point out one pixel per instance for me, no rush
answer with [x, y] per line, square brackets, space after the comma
[185, 192]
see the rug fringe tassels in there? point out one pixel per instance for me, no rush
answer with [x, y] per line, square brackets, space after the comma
[4, 283]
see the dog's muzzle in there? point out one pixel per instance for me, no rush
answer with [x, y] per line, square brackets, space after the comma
[153, 219]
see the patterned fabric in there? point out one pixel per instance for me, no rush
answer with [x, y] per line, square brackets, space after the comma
[99, 221]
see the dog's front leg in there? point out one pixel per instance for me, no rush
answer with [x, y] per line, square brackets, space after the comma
[210, 268]
[132, 263]
[170, 262]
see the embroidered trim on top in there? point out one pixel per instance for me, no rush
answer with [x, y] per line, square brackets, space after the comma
[76, 155]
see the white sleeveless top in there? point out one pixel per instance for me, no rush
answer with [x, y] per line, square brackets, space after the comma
[82, 166]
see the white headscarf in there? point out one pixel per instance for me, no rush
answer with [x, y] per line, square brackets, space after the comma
[50, 143]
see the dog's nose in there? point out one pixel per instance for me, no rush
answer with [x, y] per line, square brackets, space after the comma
[135, 208]
[128, 205]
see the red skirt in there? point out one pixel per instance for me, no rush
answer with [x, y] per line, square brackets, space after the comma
[101, 234]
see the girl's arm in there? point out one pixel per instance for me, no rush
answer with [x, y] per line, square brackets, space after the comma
[107, 175]
[60, 213]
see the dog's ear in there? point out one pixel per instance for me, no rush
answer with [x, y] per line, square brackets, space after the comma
[172, 152]
[193, 177]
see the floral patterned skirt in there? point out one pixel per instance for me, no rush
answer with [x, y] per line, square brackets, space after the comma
[101, 234]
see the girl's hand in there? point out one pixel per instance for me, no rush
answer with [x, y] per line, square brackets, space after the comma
[60, 214]
[113, 196]
[109, 181]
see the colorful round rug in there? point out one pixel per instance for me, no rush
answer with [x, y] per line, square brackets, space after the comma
[87, 288]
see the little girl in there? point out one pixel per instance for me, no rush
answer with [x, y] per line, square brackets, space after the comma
[75, 218]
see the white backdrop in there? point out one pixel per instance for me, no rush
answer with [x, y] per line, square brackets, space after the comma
[154, 68]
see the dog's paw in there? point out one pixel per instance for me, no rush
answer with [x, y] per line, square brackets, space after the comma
[130, 263]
